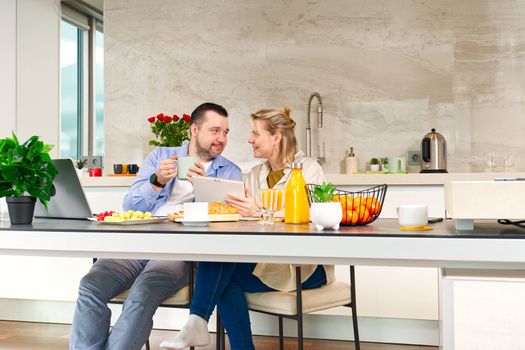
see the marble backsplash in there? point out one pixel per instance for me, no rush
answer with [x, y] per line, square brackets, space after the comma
[388, 72]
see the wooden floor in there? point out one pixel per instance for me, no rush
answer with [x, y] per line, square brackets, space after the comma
[45, 336]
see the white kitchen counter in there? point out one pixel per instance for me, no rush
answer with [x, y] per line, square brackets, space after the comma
[411, 179]
[107, 181]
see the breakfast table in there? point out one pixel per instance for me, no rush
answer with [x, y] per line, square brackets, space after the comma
[489, 247]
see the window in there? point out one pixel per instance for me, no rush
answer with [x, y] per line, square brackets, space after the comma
[99, 96]
[70, 91]
[82, 82]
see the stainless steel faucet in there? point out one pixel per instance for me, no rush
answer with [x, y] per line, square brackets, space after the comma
[319, 123]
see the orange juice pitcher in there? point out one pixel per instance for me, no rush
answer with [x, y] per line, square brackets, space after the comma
[296, 208]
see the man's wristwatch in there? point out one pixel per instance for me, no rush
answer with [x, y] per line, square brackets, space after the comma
[155, 181]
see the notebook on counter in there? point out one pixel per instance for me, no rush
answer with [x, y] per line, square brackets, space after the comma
[69, 200]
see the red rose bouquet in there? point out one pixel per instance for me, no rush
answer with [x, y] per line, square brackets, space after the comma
[169, 131]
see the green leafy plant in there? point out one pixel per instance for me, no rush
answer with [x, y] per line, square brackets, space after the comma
[169, 131]
[384, 161]
[26, 169]
[324, 192]
[79, 164]
[374, 161]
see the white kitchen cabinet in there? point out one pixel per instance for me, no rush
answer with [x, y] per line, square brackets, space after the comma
[483, 310]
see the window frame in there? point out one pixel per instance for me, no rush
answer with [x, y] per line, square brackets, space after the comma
[88, 22]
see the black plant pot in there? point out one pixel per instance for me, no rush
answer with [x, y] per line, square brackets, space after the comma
[21, 209]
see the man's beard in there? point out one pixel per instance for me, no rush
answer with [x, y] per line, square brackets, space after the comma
[204, 153]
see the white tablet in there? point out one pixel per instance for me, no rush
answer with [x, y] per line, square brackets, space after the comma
[212, 189]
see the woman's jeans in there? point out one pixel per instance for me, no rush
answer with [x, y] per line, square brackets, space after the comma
[224, 285]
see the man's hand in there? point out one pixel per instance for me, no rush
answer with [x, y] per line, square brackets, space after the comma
[195, 170]
[166, 170]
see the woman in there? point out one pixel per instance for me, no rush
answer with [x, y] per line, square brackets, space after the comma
[224, 284]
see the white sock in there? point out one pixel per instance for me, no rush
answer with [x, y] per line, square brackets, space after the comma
[194, 333]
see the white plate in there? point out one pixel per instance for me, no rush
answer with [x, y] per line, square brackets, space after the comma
[153, 220]
[193, 222]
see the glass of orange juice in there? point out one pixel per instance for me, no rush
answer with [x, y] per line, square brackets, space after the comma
[271, 201]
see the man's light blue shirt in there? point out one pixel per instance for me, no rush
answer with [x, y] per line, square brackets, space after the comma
[141, 195]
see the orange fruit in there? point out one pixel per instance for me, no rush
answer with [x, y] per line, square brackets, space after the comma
[357, 201]
[373, 205]
[349, 201]
[364, 215]
[353, 217]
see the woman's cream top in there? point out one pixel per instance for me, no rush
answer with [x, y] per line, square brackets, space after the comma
[281, 276]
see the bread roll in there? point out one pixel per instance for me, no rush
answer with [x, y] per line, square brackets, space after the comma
[221, 208]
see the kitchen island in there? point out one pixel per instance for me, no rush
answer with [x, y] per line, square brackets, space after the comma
[490, 246]
[491, 249]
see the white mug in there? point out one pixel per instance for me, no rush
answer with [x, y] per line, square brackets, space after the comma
[183, 165]
[397, 164]
[412, 215]
[193, 211]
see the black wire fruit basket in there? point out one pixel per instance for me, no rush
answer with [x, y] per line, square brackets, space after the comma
[359, 207]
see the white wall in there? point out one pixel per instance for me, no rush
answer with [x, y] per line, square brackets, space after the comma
[7, 66]
[38, 70]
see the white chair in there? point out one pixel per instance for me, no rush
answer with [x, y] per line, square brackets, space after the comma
[294, 304]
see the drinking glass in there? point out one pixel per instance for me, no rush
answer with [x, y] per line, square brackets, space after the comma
[491, 161]
[509, 161]
[271, 201]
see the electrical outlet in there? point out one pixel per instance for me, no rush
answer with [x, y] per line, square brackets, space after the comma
[414, 158]
[94, 161]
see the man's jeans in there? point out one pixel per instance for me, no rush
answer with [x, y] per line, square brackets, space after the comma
[151, 282]
[224, 285]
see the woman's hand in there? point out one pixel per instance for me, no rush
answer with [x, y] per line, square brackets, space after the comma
[245, 205]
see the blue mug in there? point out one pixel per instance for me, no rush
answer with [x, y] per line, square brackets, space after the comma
[133, 168]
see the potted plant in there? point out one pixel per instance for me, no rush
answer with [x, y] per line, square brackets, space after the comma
[324, 212]
[374, 164]
[79, 166]
[169, 131]
[26, 174]
[384, 164]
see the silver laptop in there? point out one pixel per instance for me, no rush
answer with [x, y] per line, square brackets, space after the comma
[69, 201]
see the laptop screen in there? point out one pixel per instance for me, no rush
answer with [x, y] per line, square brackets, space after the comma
[69, 201]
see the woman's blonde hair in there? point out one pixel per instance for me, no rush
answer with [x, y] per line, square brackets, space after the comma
[279, 120]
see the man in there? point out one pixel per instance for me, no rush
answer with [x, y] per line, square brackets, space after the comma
[157, 190]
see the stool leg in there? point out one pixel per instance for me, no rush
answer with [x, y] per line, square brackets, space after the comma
[218, 338]
[147, 344]
[299, 305]
[281, 335]
[223, 338]
[300, 331]
[354, 308]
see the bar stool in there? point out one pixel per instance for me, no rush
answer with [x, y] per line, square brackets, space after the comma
[294, 304]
